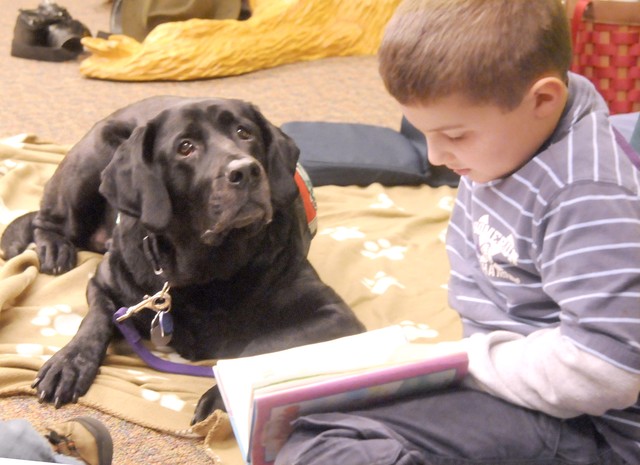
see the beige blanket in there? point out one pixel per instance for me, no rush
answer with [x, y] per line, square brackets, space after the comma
[381, 248]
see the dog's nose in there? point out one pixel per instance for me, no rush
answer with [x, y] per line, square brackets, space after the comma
[243, 172]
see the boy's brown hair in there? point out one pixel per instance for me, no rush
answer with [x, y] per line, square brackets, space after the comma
[489, 51]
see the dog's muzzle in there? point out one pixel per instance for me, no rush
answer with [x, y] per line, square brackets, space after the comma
[244, 172]
[241, 199]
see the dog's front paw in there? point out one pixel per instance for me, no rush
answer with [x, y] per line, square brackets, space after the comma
[208, 403]
[56, 253]
[66, 376]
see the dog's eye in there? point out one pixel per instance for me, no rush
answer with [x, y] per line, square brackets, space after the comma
[243, 133]
[186, 148]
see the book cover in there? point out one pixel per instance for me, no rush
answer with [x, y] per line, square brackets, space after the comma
[264, 393]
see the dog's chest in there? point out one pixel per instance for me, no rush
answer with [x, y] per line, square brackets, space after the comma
[213, 325]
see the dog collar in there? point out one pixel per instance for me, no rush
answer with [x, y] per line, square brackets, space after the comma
[132, 336]
[305, 187]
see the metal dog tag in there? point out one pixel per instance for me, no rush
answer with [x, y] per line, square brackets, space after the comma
[161, 329]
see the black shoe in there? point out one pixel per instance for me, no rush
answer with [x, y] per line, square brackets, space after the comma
[48, 33]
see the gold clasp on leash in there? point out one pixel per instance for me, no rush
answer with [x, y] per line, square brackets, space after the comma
[158, 302]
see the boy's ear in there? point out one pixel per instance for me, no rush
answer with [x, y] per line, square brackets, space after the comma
[549, 96]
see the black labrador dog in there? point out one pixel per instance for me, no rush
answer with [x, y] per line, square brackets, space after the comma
[196, 193]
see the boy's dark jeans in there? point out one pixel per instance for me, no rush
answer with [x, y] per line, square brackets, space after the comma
[453, 427]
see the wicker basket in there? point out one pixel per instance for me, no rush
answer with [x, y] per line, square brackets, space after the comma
[606, 48]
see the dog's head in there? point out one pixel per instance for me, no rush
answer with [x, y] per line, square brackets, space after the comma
[212, 165]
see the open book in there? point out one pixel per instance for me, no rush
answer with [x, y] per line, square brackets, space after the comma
[264, 393]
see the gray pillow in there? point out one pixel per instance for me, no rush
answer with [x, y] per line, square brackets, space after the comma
[358, 154]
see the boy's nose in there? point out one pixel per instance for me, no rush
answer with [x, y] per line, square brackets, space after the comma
[436, 154]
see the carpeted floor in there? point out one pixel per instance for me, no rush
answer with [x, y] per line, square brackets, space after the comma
[54, 102]
[133, 444]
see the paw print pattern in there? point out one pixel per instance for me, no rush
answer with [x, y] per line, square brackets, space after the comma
[381, 283]
[446, 203]
[343, 233]
[7, 165]
[30, 350]
[442, 236]
[418, 332]
[382, 248]
[164, 399]
[385, 202]
[170, 401]
[57, 320]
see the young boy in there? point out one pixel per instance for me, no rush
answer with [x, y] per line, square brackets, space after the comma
[543, 243]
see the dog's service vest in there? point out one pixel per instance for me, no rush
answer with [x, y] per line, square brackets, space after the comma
[308, 199]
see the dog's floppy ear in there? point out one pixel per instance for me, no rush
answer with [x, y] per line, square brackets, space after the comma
[282, 158]
[133, 183]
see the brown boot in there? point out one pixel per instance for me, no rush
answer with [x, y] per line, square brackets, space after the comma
[84, 438]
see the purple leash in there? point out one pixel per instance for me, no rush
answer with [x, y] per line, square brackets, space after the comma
[134, 339]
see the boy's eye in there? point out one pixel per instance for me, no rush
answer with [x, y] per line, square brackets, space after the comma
[454, 137]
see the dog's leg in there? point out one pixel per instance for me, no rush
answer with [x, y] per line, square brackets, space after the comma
[72, 207]
[207, 404]
[56, 253]
[68, 215]
[69, 373]
[17, 236]
[330, 321]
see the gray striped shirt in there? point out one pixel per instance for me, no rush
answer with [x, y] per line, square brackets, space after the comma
[557, 243]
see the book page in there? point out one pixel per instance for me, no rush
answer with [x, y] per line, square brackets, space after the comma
[407, 352]
[341, 355]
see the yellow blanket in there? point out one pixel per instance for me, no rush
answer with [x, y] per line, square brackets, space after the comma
[381, 248]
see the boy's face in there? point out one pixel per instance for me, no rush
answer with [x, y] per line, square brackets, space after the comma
[482, 142]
